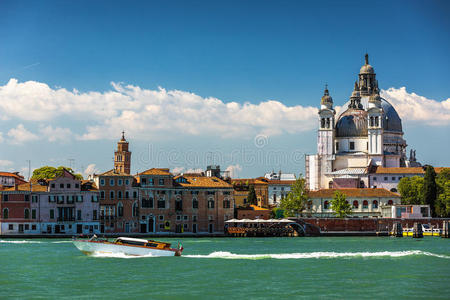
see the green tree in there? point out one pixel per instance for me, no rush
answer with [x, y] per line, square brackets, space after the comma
[442, 205]
[411, 190]
[277, 213]
[430, 189]
[251, 198]
[296, 200]
[340, 206]
[48, 172]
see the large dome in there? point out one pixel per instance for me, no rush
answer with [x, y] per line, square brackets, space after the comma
[353, 122]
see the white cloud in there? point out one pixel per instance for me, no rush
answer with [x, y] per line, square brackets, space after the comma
[5, 163]
[234, 169]
[20, 135]
[1, 137]
[145, 113]
[56, 134]
[91, 169]
[412, 107]
[177, 170]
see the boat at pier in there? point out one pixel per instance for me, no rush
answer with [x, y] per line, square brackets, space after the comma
[127, 246]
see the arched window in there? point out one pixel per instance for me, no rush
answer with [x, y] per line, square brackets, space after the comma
[375, 204]
[111, 195]
[211, 203]
[326, 205]
[330, 184]
[390, 202]
[194, 203]
[27, 213]
[322, 123]
[119, 194]
[135, 209]
[355, 204]
[226, 203]
[394, 190]
[120, 209]
[178, 204]
[5, 213]
[365, 204]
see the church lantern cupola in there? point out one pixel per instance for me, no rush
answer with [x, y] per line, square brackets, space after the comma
[326, 101]
[355, 98]
[367, 81]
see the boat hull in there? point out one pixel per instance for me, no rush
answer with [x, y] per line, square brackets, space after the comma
[89, 248]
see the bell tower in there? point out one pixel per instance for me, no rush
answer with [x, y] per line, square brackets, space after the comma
[122, 157]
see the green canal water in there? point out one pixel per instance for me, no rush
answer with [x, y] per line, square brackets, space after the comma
[225, 268]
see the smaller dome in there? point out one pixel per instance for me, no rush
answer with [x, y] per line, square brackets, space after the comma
[326, 98]
[352, 123]
[366, 69]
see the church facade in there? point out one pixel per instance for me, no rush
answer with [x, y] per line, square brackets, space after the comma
[366, 134]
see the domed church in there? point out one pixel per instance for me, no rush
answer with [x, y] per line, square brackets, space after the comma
[367, 133]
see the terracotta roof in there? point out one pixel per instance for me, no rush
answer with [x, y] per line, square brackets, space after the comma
[9, 174]
[203, 181]
[114, 172]
[156, 171]
[355, 193]
[26, 187]
[250, 181]
[412, 170]
[281, 182]
[256, 207]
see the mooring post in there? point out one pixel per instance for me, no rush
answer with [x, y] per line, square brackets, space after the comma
[417, 230]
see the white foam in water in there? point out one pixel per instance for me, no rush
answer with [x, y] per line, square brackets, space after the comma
[229, 255]
[20, 242]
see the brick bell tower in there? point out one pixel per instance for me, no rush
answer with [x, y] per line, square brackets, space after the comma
[122, 157]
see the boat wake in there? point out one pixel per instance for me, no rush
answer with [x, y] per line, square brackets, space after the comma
[229, 255]
[20, 242]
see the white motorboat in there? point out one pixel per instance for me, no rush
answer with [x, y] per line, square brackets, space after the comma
[127, 246]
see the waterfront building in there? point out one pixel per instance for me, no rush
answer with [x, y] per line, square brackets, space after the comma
[364, 202]
[253, 212]
[186, 203]
[388, 178]
[63, 205]
[367, 132]
[278, 190]
[241, 188]
[406, 211]
[9, 179]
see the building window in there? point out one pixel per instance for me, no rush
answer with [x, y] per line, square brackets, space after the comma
[390, 202]
[127, 182]
[134, 194]
[119, 194]
[33, 214]
[68, 185]
[102, 182]
[119, 181]
[120, 209]
[52, 213]
[161, 217]
[394, 190]
[147, 203]
[194, 203]
[151, 181]
[79, 215]
[352, 145]
[26, 213]
[60, 199]
[5, 213]
[77, 185]
[210, 193]
[161, 203]
[355, 204]
[365, 204]
[393, 178]
[94, 198]
[161, 181]
[179, 204]
[375, 204]
[10, 227]
[374, 179]
[326, 205]
[226, 203]
[102, 194]
[79, 198]
[61, 185]
[144, 181]
[322, 123]
[94, 214]
[385, 178]
[27, 198]
[135, 209]
[210, 203]
[111, 182]
[52, 185]
[111, 194]
[337, 146]
[127, 194]
[34, 198]
[5, 198]
[185, 218]
[179, 217]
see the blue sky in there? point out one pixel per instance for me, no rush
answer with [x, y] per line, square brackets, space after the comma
[235, 51]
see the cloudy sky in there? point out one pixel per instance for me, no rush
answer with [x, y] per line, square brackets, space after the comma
[200, 82]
